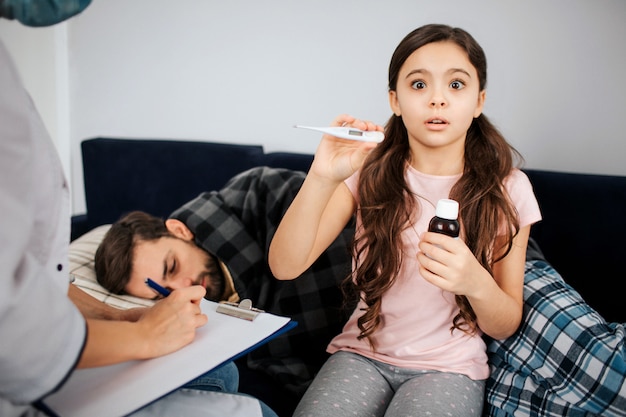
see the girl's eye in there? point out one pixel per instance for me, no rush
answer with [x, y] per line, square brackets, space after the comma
[418, 85]
[457, 85]
[173, 267]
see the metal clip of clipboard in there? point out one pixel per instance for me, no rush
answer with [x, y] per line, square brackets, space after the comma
[242, 310]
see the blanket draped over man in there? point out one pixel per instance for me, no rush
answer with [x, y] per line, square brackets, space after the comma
[236, 224]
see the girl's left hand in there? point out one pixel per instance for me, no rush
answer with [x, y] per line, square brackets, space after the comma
[449, 264]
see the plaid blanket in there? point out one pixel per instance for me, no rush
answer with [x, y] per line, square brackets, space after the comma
[236, 224]
[565, 360]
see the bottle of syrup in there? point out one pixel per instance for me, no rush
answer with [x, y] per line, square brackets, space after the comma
[445, 220]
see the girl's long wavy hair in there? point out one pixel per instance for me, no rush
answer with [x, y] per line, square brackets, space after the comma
[387, 205]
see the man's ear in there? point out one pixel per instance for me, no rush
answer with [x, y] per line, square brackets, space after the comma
[178, 229]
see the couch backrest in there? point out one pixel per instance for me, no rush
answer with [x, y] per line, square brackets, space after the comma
[160, 175]
[156, 176]
[583, 233]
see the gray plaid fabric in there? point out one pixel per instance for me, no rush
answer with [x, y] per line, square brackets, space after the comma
[236, 224]
[565, 360]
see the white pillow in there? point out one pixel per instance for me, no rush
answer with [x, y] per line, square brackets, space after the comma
[81, 253]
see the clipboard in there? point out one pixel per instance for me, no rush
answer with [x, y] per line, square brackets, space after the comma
[116, 390]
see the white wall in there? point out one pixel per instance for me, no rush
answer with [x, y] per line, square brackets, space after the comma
[246, 71]
[41, 57]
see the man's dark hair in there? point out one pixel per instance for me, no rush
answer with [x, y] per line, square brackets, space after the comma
[114, 256]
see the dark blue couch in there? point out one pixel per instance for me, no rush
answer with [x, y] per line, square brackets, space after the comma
[581, 235]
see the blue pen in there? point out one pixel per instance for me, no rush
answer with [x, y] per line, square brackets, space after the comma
[156, 287]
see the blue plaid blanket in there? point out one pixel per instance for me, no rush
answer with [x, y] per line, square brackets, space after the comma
[565, 360]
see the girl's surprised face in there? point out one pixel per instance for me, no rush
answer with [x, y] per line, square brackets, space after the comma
[437, 95]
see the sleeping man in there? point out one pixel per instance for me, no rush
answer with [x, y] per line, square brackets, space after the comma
[220, 240]
[564, 360]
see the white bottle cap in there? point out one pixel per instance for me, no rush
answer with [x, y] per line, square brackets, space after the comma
[447, 209]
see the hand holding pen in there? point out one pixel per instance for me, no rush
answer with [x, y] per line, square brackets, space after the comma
[156, 287]
[164, 292]
[172, 322]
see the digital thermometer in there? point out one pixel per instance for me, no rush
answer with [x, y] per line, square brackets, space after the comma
[346, 132]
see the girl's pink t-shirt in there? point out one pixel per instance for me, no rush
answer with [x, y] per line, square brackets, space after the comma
[417, 315]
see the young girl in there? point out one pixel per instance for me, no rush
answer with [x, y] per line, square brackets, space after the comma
[413, 344]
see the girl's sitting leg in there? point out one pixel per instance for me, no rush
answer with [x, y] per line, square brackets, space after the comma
[347, 385]
[438, 394]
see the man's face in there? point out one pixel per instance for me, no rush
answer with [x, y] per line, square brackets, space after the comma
[173, 263]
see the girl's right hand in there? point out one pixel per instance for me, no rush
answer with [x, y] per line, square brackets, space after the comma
[337, 159]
